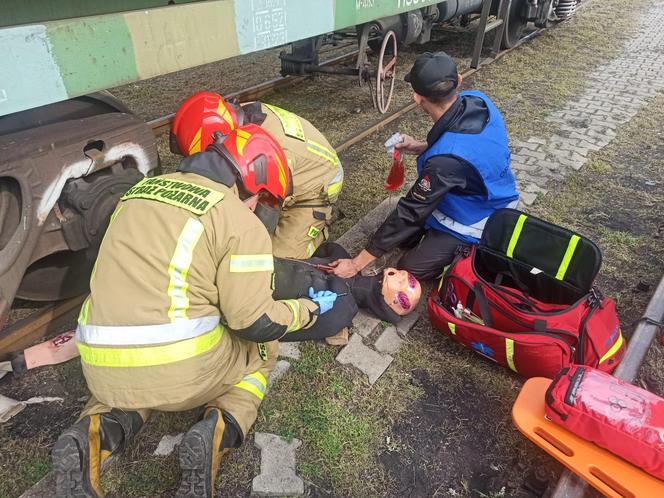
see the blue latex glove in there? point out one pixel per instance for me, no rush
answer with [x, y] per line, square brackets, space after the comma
[324, 299]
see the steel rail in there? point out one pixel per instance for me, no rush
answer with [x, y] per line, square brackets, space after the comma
[41, 323]
[410, 107]
[162, 124]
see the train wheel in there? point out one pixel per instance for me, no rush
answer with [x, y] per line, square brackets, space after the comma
[65, 274]
[547, 17]
[515, 23]
[387, 65]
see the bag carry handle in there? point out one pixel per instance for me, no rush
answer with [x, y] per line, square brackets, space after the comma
[483, 304]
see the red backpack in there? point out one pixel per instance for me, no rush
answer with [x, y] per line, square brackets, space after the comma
[524, 298]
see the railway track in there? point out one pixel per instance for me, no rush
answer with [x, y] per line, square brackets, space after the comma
[162, 124]
[47, 320]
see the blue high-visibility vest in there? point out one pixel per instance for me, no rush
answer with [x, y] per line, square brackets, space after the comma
[464, 216]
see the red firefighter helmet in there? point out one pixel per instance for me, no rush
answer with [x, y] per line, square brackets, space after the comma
[201, 115]
[259, 160]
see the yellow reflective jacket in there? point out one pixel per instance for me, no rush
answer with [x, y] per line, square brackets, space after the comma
[184, 272]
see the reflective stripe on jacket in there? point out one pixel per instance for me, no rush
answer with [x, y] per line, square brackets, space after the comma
[316, 168]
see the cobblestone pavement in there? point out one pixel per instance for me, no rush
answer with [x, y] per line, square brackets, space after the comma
[617, 92]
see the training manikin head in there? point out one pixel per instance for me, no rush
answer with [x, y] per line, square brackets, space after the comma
[400, 290]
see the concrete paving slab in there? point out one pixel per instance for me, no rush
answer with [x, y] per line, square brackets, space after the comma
[45, 487]
[280, 369]
[389, 341]
[367, 360]
[357, 237]
[364, 324]
[409, 321]
[277, 477]
[289, 350]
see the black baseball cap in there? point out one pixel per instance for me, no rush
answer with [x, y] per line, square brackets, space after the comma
[431, 69]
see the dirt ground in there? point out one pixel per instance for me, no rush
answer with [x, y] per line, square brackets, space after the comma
[438, 422]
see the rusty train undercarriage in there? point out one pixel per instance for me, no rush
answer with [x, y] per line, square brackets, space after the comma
[64, 169]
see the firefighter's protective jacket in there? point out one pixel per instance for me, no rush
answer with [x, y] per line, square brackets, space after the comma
[316, 170]
[182, 281]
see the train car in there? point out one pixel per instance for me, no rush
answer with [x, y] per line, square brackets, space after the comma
[69, 149]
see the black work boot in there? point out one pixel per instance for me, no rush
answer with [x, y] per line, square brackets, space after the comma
[201, 450]
[81, 450]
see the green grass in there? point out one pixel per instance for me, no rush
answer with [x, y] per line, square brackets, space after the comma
[20, 464]
[598, 166]
[334, 412]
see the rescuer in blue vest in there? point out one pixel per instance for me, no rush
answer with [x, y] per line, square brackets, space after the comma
[463, 175]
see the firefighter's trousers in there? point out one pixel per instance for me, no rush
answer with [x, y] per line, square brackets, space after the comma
[239, 399]
[302, 228]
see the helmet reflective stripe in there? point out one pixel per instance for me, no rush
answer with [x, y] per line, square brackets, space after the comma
[178, 269]
[223, 112]
[196, 143]
[282, 174]
[241, 140]
[144, 335]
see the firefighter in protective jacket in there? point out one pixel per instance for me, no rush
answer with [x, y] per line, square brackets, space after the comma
[180, 312]
[317, 174]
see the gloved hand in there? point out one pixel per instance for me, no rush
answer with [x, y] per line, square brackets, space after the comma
[324, 299]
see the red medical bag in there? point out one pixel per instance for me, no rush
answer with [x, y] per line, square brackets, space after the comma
[622, 418]
[524, 298]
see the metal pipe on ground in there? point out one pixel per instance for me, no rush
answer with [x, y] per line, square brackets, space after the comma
[570, 485]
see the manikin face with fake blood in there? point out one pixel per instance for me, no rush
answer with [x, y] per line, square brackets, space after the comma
[401, 290]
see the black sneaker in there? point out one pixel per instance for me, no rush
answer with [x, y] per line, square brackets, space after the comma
[200, 456]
